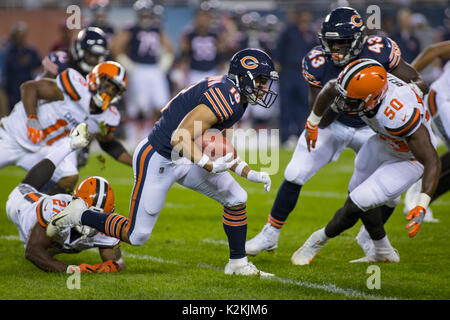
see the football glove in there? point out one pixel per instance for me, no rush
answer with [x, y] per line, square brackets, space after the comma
[311, 135]
[107, 267]
[260, 176]
[224, 163]
[416, 216]
[86, 268]
[34, 128]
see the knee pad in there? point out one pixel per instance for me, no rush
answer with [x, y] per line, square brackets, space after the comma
[239, 198]
[296, 172]
[138, 238]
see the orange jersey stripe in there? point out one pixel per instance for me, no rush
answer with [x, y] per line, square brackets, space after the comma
[224, 112]
[141, 162]
[415, 118]
[432, 102]
[58, 124]
[214, 106]
[40, 216]
[62, 135]
[224, 101]
[68, 86]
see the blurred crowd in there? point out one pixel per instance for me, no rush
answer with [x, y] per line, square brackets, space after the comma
[159, 66]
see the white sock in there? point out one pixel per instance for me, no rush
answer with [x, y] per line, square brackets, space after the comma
[320, 234]
[59, 153]
[382, 244]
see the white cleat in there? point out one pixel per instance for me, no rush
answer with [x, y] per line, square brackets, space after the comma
[306, 253]
[386, 256]
[245, 268]
[365, 242]
[69, 217]
[79, 136]
[266, 240]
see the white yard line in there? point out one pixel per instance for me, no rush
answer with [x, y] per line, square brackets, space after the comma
[328, 287]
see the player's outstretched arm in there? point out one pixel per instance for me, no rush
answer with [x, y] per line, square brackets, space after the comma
[436, 50]
[420, 144]
[36, 251]
[111, 145]
[31, 91]
[325, 98]
[410, 75]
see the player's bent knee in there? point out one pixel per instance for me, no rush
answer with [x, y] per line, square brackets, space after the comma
[294, 174]
[139, 238]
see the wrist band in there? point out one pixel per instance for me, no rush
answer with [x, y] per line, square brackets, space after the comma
[240, 167]
[203, 161]
[424, 200]
[314, 119]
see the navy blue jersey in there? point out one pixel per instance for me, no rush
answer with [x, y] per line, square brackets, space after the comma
[317, 70]
[203, 53]
[145, 44]
[218, 93]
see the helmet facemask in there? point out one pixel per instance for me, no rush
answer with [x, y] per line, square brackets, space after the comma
[108, 92]
[257, 89]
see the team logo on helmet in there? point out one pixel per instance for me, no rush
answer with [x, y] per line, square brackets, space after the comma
[249, 62]
[356, 20]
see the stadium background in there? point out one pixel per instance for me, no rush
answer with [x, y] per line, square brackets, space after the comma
[185, 256]
[262, 22]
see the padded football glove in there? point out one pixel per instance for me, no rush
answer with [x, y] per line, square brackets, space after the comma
[224, 163]
[260, 176]
[311, 135]
[417, 214]
[107, 267]
[86, 268]
[35, 133]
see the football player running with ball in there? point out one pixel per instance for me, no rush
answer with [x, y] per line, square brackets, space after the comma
[31, 210]
[213, 103]
[343, 39]
[402, 150]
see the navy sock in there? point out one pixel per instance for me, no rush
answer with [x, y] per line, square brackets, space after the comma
[284, 203]
[235, 226]
[110, 224]
[386, 213]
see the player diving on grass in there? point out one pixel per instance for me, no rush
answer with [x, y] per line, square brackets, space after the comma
[51, 108]
[389, 162]
[213, 103]
[343, 39]
[31, 210]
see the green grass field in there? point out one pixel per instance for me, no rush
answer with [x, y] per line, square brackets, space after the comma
[186, 254]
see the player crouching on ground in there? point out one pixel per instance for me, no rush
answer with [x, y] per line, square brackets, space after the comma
[30, 211]
[213, 103]
[402, 150]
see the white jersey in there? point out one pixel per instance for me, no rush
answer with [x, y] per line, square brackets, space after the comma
[57, 118]
[26, 207]
[438, 103]
[442, 84]
[400, 114]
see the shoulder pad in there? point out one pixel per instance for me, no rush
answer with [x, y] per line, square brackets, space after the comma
[313, 66]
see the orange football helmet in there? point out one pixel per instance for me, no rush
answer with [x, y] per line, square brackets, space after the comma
[97, 193]
[103, 72]
[362, 85]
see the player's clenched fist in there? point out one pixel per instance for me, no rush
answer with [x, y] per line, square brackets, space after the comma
[35, 133]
